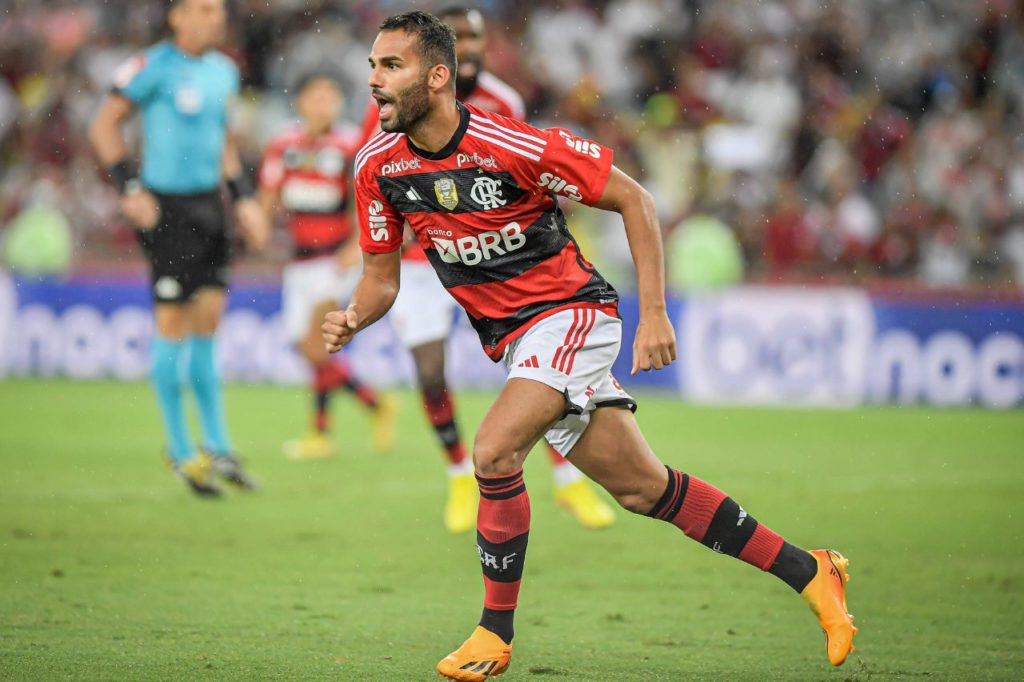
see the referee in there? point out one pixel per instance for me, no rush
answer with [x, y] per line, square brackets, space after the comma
[183, 88]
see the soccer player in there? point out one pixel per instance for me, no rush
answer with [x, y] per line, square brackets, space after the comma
[305, 172]
[183, 88]
[423, 312]
[481, 199]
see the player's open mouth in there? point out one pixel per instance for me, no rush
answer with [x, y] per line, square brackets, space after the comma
[385, 106]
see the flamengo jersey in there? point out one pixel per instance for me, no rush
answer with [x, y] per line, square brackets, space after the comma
[484, 209]
[311, 174]
[490, 94]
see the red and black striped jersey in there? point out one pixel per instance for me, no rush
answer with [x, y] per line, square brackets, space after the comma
[490, 94]
[485, 210]
[311, 174]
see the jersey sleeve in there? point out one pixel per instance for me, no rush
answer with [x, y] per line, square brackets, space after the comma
[380, 225]
[136, 78]
[271, 174]
[566, 165]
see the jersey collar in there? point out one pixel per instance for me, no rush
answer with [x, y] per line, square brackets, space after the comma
[449, 149]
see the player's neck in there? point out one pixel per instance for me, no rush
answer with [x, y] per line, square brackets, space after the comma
[315, 130]
[187, 47]
[437, 128]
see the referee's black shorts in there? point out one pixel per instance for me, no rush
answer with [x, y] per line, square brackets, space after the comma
[189, 247]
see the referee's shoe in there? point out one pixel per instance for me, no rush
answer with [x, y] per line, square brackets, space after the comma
[197, 473]
[230, 469]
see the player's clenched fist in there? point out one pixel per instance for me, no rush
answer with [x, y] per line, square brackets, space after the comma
[339, 327]
[655, 344]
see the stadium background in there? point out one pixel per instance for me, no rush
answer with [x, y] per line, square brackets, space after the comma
[842, 191]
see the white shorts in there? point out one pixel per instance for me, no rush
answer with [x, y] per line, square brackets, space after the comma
[572, 352]
[424, 310]
[308, 283]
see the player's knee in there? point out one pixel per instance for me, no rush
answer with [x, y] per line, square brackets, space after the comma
[637, 496]
[492, 459]
[431, 379]
[312, 349]
[636, 502]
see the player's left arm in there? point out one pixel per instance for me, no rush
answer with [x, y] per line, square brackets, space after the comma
[253, 220]
[582, 170]
[655, 342]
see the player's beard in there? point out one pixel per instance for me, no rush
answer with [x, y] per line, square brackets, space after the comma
[466, 84]
[411, 105]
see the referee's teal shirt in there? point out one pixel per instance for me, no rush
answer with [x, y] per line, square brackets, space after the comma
[184, 103]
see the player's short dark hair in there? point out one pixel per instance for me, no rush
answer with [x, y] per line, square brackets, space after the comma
[435, 39]
[318, 75]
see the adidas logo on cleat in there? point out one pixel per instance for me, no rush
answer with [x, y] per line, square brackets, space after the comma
[483, 667]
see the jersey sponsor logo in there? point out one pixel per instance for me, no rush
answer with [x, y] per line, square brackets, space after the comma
[447, 193]
[378, 222]
[400, 166]
[330, 162]
[476, 160]
[127, 72]
[486, 191]
[591, 149]
[326, 161]
[474, 249]
[314, 196]
[559, 186]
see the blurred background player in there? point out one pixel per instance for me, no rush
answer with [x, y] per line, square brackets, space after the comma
[183, 88]
[423, 313]
[305, 172]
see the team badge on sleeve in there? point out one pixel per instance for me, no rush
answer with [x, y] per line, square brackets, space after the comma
[447, 194]
[126, 73]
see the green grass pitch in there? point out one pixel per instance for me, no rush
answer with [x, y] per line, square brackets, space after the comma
[341, 570]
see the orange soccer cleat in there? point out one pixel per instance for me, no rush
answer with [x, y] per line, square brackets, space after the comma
[826, 595]
[483, 656]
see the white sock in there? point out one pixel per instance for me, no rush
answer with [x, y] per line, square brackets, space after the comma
[565, 474]
[461, 469]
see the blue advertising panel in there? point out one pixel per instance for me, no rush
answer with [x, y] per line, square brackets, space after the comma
[749, 345]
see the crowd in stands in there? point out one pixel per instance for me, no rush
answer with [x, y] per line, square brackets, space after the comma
[876, 142]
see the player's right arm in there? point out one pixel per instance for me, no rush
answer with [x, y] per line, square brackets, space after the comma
[374, 295]
[133, 84]
[380, 237]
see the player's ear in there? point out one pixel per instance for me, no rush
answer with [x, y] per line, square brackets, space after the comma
[439, 77]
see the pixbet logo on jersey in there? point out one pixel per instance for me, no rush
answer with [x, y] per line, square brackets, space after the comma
[399, 166]
[378, 222]
[474, 249]
[476, 159]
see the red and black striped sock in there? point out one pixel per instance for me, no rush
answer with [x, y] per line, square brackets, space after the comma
[502, 531]
[331, 375]
[441, 413]
[321, 402]
[710, 517]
